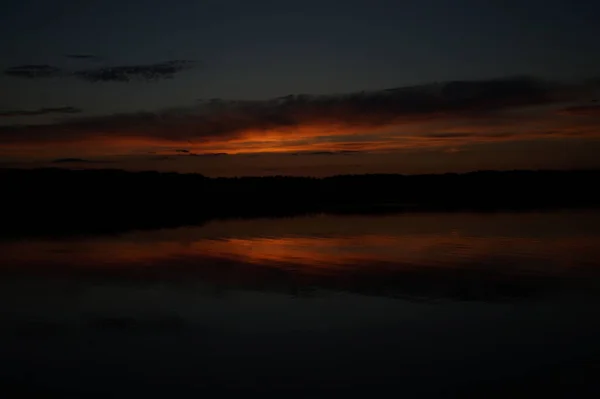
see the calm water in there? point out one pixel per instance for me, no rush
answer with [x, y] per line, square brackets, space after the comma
[425, 305]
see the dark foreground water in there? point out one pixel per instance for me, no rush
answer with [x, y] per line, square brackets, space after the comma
[416, 305]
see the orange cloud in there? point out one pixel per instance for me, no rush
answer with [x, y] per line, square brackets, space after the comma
[449, 114]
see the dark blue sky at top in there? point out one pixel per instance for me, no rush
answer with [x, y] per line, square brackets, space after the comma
[261, 49]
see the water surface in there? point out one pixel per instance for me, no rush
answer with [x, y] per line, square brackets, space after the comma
[425, 304]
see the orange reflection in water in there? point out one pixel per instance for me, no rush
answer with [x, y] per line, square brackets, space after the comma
[405, 251]
[311, 254]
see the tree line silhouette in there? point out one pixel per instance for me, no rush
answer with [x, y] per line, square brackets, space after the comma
[55, 200]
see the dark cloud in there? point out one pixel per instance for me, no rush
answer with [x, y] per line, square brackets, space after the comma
[183, 152]
[76, 160]
[379, 108]
[342, 152]
[583, 110]
[41, 111]
[222, 120]
[449, 135]
[319, 153]
[209, 154]
[127, 73]
[118, 73]
[34, 71]
[76, 56]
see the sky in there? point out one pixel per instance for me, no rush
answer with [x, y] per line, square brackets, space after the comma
[238, 87]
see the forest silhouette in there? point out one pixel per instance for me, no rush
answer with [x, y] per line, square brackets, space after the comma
[56, 201]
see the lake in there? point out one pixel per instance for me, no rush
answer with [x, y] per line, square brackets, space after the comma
[414, 305]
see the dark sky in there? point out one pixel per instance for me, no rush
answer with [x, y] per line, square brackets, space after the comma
[69, 66]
